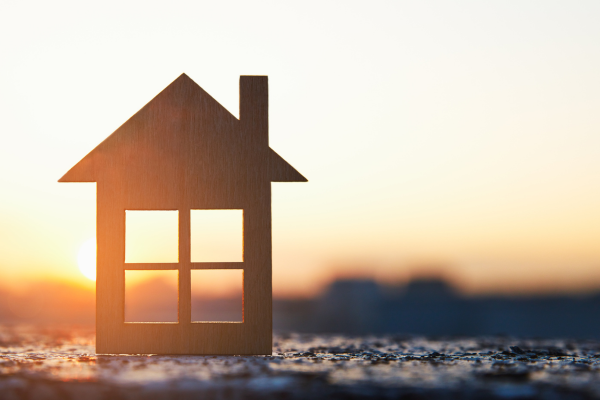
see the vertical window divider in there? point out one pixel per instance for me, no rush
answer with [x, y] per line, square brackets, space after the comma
[185, 279]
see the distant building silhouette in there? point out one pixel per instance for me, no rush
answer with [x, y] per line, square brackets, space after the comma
[349, 304]
[432, 307]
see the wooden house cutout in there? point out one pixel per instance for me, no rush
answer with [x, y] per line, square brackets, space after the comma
[184, 151]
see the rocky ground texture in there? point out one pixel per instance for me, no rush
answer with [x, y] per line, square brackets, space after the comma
[59, 363]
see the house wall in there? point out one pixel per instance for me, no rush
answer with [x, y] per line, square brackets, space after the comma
[252, 336]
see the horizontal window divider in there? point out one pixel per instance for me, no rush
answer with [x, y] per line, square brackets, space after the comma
[150, 266]
[217, 265]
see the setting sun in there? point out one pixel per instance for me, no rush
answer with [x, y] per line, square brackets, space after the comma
[86, 259]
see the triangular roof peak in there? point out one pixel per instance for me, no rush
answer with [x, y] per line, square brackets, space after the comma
[184, 130]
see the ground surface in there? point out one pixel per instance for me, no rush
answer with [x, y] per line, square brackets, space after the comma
[60, 364]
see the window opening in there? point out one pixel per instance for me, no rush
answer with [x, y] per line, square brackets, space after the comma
[217, 295]
[151, 236]
[151, 296]
[217, 235]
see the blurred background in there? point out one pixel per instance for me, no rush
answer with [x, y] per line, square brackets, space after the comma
[451, 150]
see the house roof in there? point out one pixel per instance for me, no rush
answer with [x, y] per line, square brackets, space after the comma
[183, 130]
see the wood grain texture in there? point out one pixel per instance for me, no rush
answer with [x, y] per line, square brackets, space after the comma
[184, 151]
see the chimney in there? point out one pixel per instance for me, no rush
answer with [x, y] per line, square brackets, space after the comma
[254, 109]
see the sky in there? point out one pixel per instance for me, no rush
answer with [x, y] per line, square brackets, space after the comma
[452, 138]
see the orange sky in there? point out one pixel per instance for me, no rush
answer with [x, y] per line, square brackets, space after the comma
[458, 137]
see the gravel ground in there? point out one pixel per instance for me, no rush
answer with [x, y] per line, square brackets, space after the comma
[59, 363]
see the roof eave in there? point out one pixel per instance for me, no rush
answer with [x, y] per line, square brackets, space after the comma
[80, 172]
[282, 171]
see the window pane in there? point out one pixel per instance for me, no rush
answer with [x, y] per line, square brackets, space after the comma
[151, 236]
[217, 235]
[151, 296]
[217, 295]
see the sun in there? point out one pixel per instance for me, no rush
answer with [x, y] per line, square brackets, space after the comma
[86, 259]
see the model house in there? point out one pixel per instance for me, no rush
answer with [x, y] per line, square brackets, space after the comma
[183, 151]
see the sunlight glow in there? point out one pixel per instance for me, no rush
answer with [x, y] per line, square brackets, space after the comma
[86, 259]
